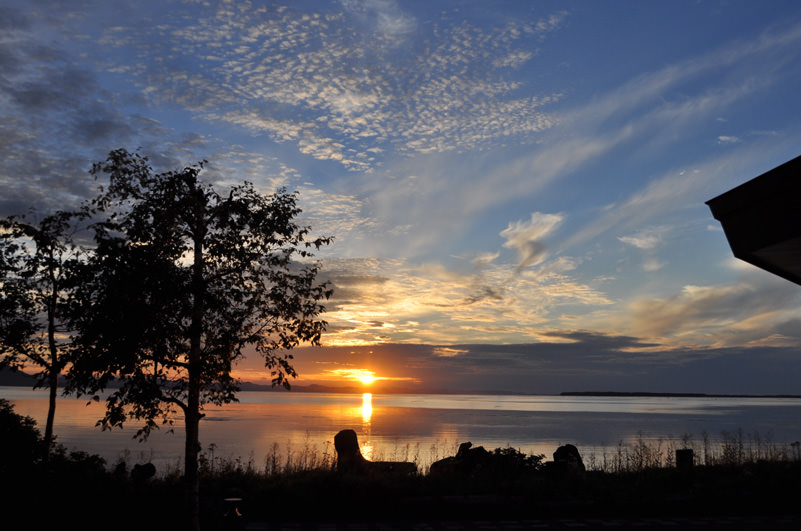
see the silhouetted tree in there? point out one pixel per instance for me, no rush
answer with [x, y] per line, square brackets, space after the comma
[181, 281]
[36, 264]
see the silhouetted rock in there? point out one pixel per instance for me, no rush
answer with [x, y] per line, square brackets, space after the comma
[466, 461]
[350, 458]
[142, 472]
[567, 462]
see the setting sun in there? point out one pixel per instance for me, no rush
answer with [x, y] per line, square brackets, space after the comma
[364, 376]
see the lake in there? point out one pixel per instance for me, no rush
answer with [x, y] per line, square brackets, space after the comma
[424, 428]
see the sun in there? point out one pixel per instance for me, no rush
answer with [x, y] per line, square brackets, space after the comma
[364, 376]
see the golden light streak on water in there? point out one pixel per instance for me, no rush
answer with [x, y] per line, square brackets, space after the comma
[367, 431]
[367, 407]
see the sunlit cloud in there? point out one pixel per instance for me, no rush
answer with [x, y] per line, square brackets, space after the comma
[447, 352]
[722, 315]
[394, 301]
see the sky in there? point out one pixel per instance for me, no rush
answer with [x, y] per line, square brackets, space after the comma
[516, 190]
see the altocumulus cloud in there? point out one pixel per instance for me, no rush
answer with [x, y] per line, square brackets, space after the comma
[339, 83]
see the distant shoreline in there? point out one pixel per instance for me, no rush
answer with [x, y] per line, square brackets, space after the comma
[670, 395]
[20, 379]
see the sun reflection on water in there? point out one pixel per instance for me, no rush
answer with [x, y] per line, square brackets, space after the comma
[367, 415]
[367, 407]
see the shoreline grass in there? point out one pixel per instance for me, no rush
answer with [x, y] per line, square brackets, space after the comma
[731, 448]
[737, 473]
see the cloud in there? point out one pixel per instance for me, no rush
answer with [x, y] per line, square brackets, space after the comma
[448, 352]
[310, 77]
[389, 301]
[719, 315]
[526, 237]
[485, 258]
[333, 214]
[723, 139]
[59, 115]
[669, 193]
[646, 239]
[385, 17]
[434, 125]
[640, 110]
[566, 360]
[651, 264]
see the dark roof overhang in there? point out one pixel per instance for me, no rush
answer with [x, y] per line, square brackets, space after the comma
[762, 220]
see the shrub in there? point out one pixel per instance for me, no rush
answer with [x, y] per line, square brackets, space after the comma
[21, 440]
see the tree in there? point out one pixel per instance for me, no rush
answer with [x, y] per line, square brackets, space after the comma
[36, 264]
[182, 279]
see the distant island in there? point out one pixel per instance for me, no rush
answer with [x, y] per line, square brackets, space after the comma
[670, 395]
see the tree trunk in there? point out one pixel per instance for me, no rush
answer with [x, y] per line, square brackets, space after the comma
[53, 368]
[193, 414]
[191, 475]
[51, 415]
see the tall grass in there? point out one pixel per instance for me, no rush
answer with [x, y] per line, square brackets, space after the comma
[291, 459]
[731, 449]
[639, 453]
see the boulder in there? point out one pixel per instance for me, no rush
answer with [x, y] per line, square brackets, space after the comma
[567, 462]
[351, 461]
[349, 455]
[466, 461]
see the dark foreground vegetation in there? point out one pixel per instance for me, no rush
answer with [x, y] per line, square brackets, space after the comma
[79, 488]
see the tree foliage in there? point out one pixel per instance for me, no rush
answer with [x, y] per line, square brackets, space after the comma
[182, 280]
[37, 264]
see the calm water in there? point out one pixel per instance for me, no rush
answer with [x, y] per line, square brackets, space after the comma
[422, 427]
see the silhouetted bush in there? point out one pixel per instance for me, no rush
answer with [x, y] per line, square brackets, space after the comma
[21, 441]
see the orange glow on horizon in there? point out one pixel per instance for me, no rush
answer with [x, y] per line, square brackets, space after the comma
[363, 378]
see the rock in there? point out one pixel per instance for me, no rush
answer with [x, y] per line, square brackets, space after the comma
[466, 461]
[349, 456]
[567, 462]
[351, 461]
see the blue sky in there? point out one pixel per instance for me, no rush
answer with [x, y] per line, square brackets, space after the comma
[516, 189]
